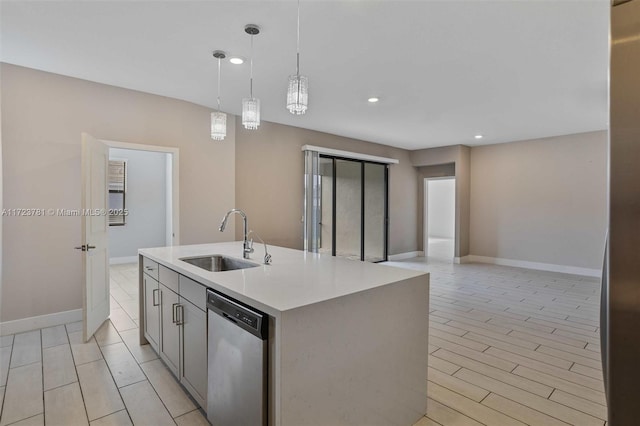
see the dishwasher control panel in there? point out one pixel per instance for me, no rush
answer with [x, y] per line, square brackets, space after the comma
[244, 316]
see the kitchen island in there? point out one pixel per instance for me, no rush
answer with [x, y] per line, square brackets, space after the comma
[347, 339]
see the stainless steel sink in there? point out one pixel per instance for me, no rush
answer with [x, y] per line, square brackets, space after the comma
[219, 263]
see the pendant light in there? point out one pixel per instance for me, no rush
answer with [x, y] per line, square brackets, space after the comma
[298, 92]
[251, 105]
[218, 118]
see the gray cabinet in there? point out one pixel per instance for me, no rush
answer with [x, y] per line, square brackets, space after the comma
[170, 341]
[175, 324]
[151, 300]
[194, 351]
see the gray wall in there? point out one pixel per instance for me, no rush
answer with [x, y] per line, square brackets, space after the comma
[43, 115]
[269, 183]
[146, 198]
[441, 208]
[542, 200]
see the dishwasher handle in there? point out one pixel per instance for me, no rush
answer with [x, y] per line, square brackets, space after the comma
[244, 316]
[229, 317]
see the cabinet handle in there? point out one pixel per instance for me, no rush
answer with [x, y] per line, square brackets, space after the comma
[153, 295]
[148, 268]
[181, 316]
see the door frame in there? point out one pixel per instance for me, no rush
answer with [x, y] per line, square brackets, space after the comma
[174, 188]
[425, 213]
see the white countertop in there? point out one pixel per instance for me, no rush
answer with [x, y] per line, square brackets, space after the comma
[294, 279]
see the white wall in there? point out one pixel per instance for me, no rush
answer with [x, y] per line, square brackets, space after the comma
[441, 208]
[146, 201]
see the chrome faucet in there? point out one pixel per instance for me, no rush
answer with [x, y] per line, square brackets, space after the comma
[247, 245]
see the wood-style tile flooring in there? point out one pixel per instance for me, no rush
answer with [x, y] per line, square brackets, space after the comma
[512, 346]
[508, 347]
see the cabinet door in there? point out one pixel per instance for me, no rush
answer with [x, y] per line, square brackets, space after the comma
[151, 302]
[194, 344]
[170, 342]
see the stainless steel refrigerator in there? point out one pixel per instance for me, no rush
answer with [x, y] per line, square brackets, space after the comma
[620, 316]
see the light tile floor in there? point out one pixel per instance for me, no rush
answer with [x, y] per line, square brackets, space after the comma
[51, 376]
[508, 346]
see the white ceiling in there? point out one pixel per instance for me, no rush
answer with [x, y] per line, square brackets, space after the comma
[443, 70]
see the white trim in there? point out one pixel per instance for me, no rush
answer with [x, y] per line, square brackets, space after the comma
[123, 260]
[461, 260]
[407, 255]
[41, 321]
[349, 154]
[551, 267]
[169, 207]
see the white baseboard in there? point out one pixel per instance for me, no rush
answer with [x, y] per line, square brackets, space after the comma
[532, 265]
[122, 260]
[407, 255]
[42, 321]
[460, 260]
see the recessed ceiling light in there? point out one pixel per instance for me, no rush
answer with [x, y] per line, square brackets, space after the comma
[478, 136]
[373, 100]
[236, 61]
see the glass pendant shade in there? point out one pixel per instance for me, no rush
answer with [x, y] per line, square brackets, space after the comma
[218, 125]
[298, 94]
[250, 113]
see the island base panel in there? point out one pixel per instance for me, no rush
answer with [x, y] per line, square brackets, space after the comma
[354, 360]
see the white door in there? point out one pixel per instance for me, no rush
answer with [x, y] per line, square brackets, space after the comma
[95, 228]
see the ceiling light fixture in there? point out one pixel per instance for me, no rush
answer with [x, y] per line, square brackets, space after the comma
[298, 91]
[251, 105]
[373, 100]
[236, 61]
[478, 136]
[218, 118]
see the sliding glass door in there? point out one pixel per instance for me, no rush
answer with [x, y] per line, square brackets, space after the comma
[346, 210]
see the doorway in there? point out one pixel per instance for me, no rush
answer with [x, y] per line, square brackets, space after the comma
[145, 178]
[139, 184]
[439, 218]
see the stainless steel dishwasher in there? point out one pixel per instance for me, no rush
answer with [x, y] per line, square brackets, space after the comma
[237, 363]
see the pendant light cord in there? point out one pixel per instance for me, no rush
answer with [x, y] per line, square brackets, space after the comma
[251, 71]
[218, 84]
[298, 44]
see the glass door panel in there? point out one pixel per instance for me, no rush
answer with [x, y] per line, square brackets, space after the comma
[374, 212]
[348, 209]
[325, 170]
